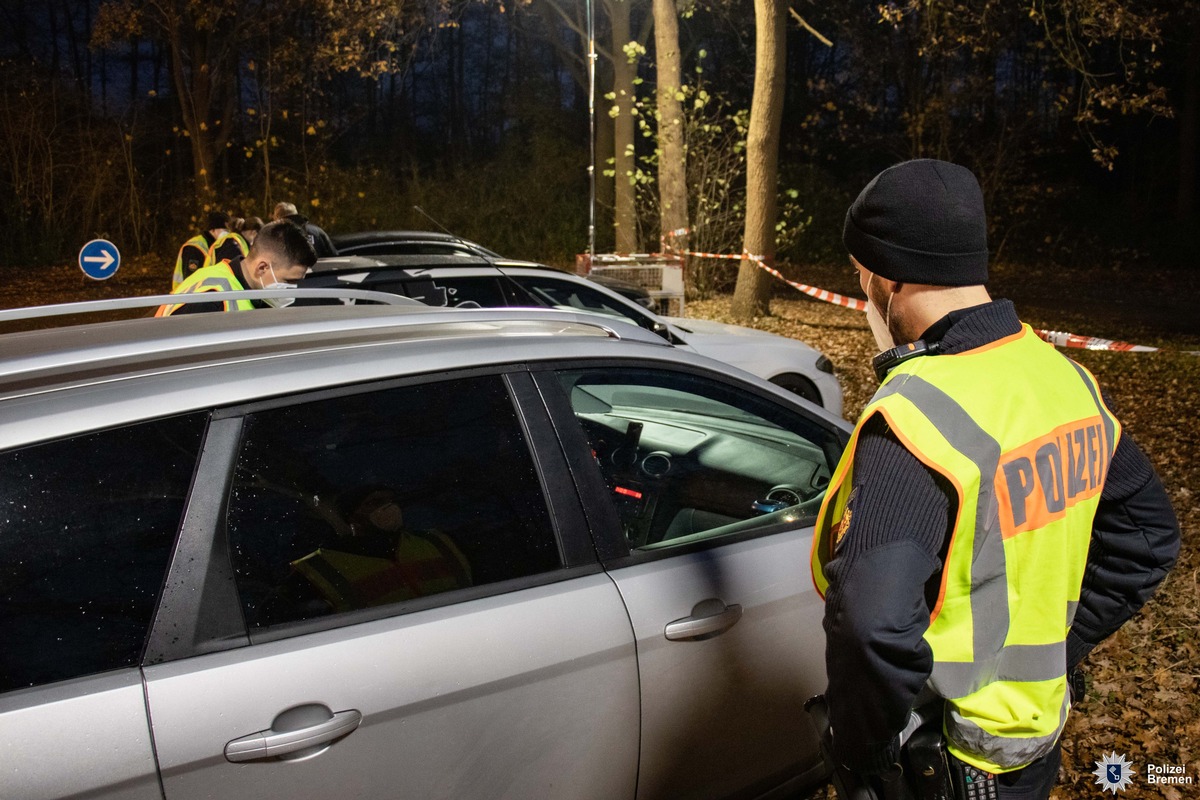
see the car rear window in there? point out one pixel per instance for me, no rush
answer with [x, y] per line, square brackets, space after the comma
[87, 525]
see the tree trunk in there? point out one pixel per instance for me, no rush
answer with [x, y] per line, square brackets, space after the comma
[624, 130]
[1189, 127]
[605, 186]
[751, 296]
[672, 164]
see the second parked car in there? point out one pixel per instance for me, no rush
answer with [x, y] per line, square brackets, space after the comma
[483, 281]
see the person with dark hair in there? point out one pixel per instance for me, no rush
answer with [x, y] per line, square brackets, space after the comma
[320, 240]
[194, 252]
[250, 228]
[234, 242]
[989, 522]
[279, 256]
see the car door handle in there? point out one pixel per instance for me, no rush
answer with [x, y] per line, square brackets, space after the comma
[709, 618]
[271, 743]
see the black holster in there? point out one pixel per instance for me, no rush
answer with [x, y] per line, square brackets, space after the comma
[922, 773]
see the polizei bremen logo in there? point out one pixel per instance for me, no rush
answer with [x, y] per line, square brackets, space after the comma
[1114, 773]
[1038, 481]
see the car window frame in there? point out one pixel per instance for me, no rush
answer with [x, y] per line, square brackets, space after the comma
[634, 313]
[611, 545]
[200, 609]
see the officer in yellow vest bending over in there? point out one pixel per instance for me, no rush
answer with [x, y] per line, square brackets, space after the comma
[989, 523]
[279, 256]
[194, 252]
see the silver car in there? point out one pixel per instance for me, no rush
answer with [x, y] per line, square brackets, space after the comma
[477, 280]
[377, 552]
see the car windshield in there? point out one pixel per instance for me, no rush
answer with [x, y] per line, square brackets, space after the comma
[569, 296]
[665, 401]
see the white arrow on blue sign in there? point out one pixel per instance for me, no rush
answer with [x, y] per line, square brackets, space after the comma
[99, 259]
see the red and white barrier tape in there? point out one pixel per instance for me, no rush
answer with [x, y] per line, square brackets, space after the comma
[1060, 339]
[1056, 338]
[811, 291]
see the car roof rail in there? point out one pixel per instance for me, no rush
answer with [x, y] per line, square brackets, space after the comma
[347, 296]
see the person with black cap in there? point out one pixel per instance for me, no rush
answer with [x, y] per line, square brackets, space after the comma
[195, 250]
[989, 522]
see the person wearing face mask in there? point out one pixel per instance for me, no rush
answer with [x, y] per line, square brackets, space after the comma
[279, 257]
[989, 522]
[380, 560]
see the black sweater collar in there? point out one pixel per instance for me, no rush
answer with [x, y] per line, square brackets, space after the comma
[967, 328]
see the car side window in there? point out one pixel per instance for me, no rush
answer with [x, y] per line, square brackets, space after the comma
[483, 292]
[380, 498]
[571, 296]
[686, 458]
[87, 525]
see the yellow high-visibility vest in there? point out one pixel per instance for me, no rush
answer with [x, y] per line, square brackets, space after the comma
[229, 237]
[200, 243]
[1025, 439]
[217, 278]
[418, 565]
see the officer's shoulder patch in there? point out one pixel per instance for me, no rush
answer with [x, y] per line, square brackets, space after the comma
[843, 526]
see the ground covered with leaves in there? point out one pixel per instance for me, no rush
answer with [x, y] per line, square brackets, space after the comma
[1142, 702]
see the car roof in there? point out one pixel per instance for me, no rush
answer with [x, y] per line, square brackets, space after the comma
[365, 237]
[361, 238]
[335, 264]
[59, 381]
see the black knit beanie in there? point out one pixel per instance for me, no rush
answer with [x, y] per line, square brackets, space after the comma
[921, 222]
[217, 219]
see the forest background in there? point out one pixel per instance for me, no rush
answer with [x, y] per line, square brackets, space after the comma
[128, 119]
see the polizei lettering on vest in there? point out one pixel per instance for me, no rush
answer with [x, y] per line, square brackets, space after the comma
[1038, 481]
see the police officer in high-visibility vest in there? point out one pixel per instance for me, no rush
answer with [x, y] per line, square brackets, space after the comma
[989, 523]
[279, 257]
[194, 252]
[235, 242]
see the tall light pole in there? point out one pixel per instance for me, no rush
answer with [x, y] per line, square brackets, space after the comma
[591, 65]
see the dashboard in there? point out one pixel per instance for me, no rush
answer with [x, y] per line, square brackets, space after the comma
[674, 474]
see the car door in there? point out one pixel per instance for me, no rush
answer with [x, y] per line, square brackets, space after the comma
[707, 492]
[86, 528]
[423, 613]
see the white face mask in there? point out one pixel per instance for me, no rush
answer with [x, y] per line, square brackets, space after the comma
[879, 322]
[278, 302]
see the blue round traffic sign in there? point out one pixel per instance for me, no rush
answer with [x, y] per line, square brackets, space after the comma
[99, 259]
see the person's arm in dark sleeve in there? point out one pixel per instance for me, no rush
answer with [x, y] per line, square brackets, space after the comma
[193, 259]
[321, 242]
[876, 609]
[200, 308]
[1135, 540]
